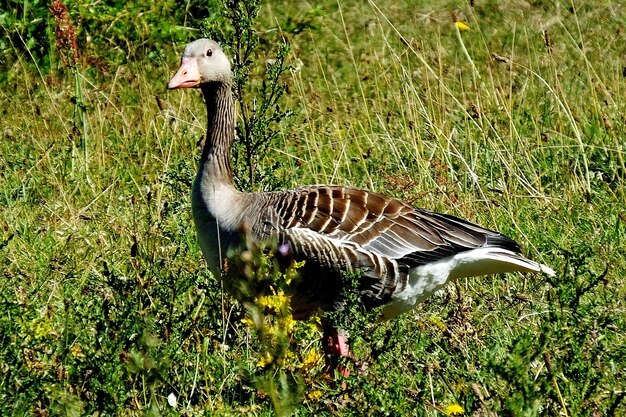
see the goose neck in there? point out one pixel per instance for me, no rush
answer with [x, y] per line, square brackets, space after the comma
[220, 129]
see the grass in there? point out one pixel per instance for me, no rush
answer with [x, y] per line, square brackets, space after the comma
[517, 124]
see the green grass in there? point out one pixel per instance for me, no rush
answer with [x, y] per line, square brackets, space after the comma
[517, 124]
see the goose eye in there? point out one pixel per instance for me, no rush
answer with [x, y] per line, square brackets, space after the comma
[209, 52]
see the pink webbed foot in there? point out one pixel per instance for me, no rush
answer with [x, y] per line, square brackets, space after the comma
[335, 345]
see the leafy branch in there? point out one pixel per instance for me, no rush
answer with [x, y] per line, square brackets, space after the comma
[259, 105]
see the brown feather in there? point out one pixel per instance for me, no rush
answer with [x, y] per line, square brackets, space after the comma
[340, 229]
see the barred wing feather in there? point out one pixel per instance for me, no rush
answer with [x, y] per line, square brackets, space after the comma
[382, 225]
[342, 229]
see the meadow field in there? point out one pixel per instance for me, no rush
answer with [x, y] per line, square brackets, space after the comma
[508, 113]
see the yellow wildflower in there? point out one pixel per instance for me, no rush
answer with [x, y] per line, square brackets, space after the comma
[453, 410]
[286, 322]
[293, 272]
[264, 301]
[461, 25]
[311, 359]
[439, 323]
[265, 360]
[287, 360]
[77, 351]
[315, 395]
[277, 302]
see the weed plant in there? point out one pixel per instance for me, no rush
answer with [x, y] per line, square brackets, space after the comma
[516, 123]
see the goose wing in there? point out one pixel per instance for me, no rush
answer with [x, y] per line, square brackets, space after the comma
[382, 225]
[342, 229]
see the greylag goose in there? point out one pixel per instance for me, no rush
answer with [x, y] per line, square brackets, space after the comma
[403, 253]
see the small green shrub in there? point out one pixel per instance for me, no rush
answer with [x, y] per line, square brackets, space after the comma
[259, 69]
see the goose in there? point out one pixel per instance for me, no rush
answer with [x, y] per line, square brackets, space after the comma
[403, 254]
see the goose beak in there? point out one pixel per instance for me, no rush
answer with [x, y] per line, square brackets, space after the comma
[187, 75]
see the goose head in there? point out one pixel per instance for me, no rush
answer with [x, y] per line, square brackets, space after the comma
[203, 62]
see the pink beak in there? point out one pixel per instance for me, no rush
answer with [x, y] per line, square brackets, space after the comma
[187, 75]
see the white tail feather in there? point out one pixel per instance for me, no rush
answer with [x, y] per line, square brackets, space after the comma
[426, 279]
[487, 261]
